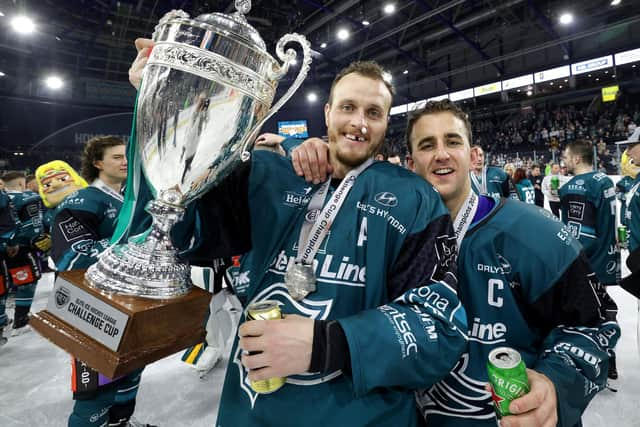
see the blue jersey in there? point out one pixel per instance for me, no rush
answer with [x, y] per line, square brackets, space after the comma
[7, 222]
[385, 273]
[526, 192]
[82, 227]
[510, 285]
[28, 211]
[588, 207]
[493, 182]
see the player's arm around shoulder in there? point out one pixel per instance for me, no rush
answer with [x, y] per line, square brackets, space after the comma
[418, 334]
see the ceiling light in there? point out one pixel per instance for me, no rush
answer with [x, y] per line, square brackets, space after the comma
[551, 83]
[2, 74]
[517, 90]
[312, 97]
[529, 93]
[1, 14]
[560, 86]
[389, 8]
[343, 34]
[365, 23]
[606, 72]
[323, 45]
[613, 75]
[566, 18]
[589, 75]
[615, 2]
[598, 79]
[405, 72]
[54, 82]
[23, 25]
[566, 80]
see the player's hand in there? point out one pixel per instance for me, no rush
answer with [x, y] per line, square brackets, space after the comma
[311, 160]
[144, 47]
[42, 242]
[538, 408]
[279, 347]
[12, 251]
[270, 141]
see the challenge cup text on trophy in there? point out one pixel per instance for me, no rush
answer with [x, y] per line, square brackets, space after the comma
[207, 89]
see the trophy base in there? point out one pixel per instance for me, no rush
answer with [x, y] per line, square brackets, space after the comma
[116, 334]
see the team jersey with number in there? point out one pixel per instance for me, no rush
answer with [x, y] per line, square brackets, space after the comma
[385, 273]
[588, 207]
[510, 285]
[526, 192]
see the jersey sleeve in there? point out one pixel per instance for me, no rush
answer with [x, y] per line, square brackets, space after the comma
[574, 355]
[419, 334]
[75, 240]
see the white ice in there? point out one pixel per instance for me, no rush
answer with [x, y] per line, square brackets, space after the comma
[35, 391]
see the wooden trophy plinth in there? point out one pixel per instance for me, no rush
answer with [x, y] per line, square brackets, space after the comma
[116, 334]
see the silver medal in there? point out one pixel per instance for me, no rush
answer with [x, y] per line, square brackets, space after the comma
[300, 280]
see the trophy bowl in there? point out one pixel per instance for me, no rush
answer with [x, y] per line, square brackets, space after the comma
[207, 89]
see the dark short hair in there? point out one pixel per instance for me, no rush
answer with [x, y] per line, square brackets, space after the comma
[93, 151]
[583, 149]
[435, 107]
[11, 175]
[369, 69]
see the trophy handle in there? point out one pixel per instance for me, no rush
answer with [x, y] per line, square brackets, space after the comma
[287, 57]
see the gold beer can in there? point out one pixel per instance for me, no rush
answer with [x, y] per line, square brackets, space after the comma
[265, 310]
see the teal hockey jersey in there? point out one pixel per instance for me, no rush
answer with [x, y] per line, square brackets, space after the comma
[632, 215]
[82, 227]
[385, 272]
[493, 182]
[28, 212]
[510, 283]
[7, 222]
[622, 188]
[588, 207]
[526, 192]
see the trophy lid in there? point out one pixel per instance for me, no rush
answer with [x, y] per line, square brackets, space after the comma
[235, 24]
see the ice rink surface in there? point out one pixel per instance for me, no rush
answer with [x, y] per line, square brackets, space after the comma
[34, 381]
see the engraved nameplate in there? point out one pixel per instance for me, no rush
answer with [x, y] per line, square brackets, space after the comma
[80, 309]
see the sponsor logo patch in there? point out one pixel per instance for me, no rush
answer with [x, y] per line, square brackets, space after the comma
[72, 229]
[576, 211]
[386, 199]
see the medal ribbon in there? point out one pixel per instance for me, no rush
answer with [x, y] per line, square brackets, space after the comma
[465, 215]
[100, 185]
[313, 233]
[481, 181]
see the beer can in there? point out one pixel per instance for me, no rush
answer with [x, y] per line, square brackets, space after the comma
[622, 236]
[508, 378]
[265, 310]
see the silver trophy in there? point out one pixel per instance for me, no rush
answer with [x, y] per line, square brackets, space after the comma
[207, 89]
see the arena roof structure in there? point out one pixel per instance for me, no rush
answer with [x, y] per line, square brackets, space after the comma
[430, 47]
